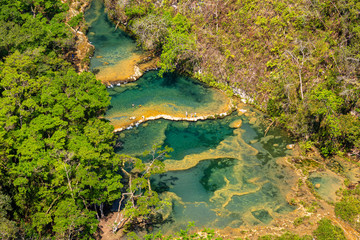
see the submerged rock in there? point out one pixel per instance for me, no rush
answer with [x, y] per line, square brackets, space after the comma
[262, 215]
[236, 124]
[252, 120]
[326, 184]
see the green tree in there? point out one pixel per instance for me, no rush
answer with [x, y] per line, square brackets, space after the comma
[138, 198]
[349, 207]
[31, 24]
[58, 160]
[327, 231]
[8, 228]
[178, 47]
[325, 105]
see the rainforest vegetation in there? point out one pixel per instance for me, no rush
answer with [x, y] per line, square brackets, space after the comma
[298, 60]
[58, 168]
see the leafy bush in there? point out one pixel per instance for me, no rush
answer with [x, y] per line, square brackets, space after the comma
[349, 207]
[327, 231]
[75, 21]
[135, 11]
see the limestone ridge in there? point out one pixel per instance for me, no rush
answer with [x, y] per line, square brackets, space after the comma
[83, 48]
[133, 69]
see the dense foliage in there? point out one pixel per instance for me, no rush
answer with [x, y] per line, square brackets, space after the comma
[327, 231]
[298, 60]
[58, 169]
[349, 207]
[57, 157]
[31, 24]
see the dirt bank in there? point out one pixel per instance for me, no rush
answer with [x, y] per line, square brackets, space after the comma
[82, 49]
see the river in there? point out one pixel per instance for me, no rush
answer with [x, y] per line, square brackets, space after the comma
[224, 172]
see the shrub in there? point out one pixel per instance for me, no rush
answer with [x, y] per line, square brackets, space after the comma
[327, 231]
[349, 207]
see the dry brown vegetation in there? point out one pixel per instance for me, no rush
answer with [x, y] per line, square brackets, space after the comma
[298, 60]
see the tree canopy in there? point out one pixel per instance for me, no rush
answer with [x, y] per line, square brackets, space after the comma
[58, 167]
[57, 156]
[31, 24]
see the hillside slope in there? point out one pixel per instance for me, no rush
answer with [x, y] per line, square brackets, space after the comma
[298, 60]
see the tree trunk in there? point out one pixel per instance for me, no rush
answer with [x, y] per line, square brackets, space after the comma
[301, 85]
[102, 210]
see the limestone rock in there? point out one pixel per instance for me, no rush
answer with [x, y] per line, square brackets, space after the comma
[241, 111]
[236, 124]
[290, 146]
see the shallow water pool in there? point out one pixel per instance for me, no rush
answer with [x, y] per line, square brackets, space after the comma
[217, 176]
[223, 172]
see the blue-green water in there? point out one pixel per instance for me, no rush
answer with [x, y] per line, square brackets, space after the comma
[173, 95]
[329, 183]
[235, 180]
[218, 175]
[111, 45]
